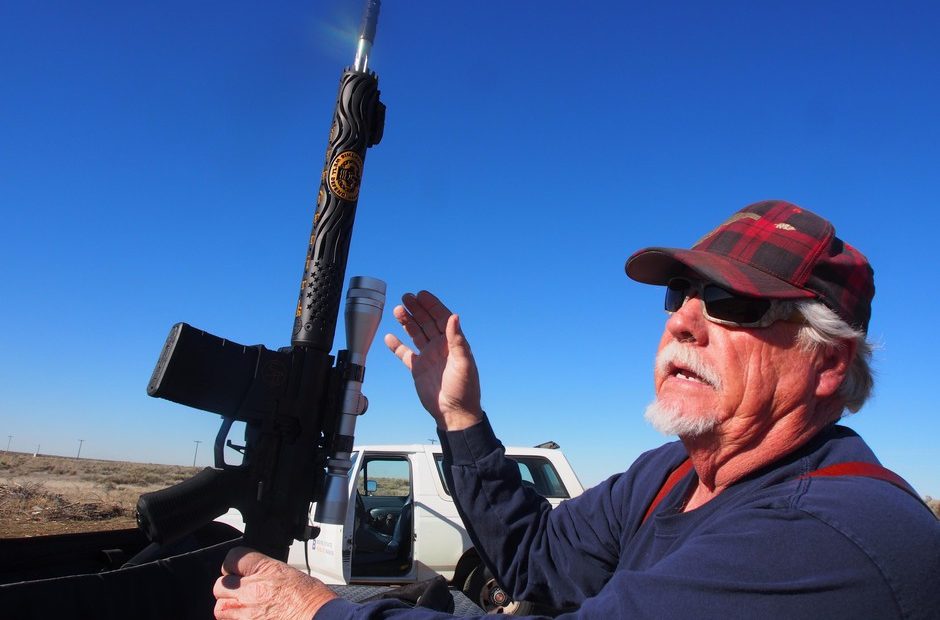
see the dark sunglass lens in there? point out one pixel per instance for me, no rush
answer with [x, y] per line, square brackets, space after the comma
[676, 292]
[726, 306]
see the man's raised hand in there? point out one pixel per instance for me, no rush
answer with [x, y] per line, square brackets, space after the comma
[443, 368]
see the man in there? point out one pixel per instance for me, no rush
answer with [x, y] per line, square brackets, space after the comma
[764, 508]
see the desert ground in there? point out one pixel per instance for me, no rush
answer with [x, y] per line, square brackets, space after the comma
[42, 495]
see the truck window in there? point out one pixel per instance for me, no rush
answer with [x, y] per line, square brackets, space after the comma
[537, 472]
[384, 517]
[392, 477]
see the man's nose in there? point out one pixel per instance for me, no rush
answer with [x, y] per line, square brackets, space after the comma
[688, 323]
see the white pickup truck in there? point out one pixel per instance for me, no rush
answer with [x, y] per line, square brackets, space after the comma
[402, 525]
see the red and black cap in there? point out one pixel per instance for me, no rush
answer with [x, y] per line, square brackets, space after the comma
[774, 250]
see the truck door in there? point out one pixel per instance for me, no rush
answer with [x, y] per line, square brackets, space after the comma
[384, 519]
[330, 552]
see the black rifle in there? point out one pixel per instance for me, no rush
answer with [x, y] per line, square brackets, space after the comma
[299, 409]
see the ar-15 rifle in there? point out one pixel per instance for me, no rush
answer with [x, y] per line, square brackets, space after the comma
[299, 409]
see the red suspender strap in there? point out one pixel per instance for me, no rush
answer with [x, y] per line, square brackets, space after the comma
[677, 474]
[853, 468]
[867, 470]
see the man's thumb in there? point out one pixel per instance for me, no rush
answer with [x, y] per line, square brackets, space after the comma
[454, 333]
[243, 561]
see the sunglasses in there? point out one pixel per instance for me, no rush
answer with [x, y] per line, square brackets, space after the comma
[723, 307]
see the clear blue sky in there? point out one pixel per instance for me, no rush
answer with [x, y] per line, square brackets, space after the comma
[159, 162]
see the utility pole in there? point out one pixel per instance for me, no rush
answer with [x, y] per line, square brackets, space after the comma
[9, 441]
[197, 442]
[80, 442]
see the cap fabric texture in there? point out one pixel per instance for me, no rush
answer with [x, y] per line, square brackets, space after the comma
[771, 249]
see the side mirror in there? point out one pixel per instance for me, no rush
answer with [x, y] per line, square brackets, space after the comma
[371, 487]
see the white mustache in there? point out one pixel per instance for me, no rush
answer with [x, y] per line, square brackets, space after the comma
[685, 356]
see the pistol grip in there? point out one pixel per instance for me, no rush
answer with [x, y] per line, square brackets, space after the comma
[169, 514]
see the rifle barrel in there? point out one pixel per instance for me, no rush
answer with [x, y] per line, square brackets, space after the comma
[370, 18]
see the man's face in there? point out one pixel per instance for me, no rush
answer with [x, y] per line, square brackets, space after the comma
[739, 379]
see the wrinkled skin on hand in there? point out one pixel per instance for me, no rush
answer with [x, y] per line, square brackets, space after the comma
[444, 371]
[254, 586]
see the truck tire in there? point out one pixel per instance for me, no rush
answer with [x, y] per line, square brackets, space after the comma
[481, 588]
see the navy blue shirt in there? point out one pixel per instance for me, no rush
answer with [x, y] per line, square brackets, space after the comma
[773, 545]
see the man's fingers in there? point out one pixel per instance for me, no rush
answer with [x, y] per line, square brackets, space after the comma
[399, 349]
[411, 326]
[227, 608]
[424, 318]
[225, 591]
[225, 586]
[415, 304]
[438, 312]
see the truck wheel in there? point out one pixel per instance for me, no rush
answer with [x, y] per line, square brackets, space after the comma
[481, 588]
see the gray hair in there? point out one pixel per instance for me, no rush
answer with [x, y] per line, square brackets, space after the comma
[824, 328]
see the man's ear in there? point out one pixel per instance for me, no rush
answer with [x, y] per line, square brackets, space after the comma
[832, 367]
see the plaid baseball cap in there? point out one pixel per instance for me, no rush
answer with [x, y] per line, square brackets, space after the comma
[775, 250]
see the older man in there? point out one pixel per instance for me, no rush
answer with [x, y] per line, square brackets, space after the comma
[764, 508]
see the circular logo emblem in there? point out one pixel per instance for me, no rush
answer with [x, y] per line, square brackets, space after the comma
[345, 175]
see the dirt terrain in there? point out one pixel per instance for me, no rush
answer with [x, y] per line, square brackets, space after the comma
[42, 495]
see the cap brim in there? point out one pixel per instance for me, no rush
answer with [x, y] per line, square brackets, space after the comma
[659, 265]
